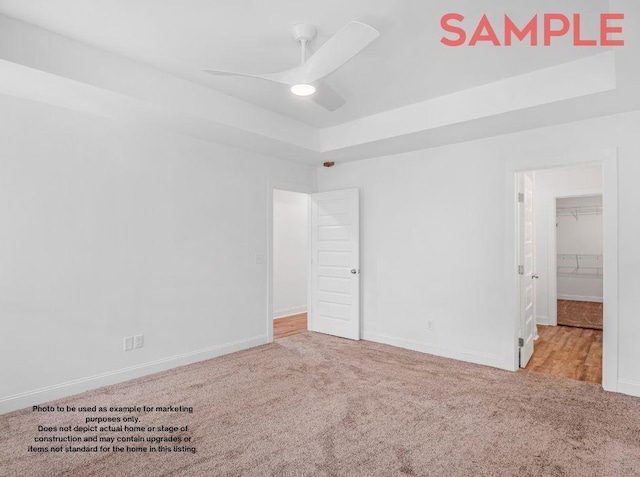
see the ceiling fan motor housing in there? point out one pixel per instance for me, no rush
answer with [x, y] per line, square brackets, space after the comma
[304, 32]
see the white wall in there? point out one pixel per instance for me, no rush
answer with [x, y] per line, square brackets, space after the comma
[290, 252]
[111, 230]
[434, 239]
[581, 235]
[549, 185]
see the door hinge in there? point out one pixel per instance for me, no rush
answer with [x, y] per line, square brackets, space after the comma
[520, 269]
[521, 342]
[521, 197]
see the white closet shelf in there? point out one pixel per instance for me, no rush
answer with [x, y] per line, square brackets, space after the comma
[576, 212]
[584, 265]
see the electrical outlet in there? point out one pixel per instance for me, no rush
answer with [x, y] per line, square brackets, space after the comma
[430, 325]
[138, 341]
[128, 343]
[259, 259]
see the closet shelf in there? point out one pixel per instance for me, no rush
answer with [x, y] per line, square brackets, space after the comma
[582, 265]
[579, 256]
[576, 212]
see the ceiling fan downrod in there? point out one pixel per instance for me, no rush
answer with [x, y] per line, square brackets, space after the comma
[303, 33]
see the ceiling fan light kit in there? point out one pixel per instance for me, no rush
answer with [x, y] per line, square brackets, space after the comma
[303, 89]
[305, 79]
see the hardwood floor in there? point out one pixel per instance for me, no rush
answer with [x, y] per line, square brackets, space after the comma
[561, 350]
[570, 352]
[582, 314]
[289, 326]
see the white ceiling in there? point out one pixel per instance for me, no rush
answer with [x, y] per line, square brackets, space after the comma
[407, 64]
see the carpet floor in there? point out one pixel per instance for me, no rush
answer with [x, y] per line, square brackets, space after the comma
[582, 314]
[314, 405]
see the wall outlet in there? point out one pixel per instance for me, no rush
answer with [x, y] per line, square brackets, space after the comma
[430, 325]
[259, 259]
[138, 341]
[128, 343]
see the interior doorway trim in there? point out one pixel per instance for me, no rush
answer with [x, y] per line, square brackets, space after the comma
[609, 160]
[289, 187]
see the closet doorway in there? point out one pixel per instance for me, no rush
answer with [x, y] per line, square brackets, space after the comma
[562, 279]
[579, 261]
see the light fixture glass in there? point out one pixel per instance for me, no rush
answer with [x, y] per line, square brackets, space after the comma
[303, 89]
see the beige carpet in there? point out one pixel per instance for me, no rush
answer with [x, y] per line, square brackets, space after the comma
[322, 406]
[581, 314]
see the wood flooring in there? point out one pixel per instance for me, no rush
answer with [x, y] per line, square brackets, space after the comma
[289, 325]
[580, 313]
[568, 351]
[561, 350]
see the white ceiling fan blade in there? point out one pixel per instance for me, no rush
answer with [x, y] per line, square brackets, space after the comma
[324, 96]
[283, 77]
[337, 51]
[327, 97]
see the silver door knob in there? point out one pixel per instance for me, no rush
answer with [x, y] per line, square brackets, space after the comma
[354, 271]
[535, 277]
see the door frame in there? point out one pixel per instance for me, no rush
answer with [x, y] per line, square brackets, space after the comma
[521, 178]
[289, 187]
[608, 158]
[552, 246]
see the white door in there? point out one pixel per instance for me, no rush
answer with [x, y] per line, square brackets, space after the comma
[527, 275]
[335, 264]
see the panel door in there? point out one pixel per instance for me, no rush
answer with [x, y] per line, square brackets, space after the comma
[527, 279]
[335, 264]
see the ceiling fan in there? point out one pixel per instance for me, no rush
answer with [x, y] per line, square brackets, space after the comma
[305, 79]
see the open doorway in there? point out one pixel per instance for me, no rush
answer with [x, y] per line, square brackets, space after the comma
[314, 264]
[561, 281]
[290, 262]
[579, 261]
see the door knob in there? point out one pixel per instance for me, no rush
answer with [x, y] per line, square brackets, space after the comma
[354, 271]
[535, 277]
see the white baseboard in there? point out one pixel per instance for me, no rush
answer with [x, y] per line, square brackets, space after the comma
[543, 320]
[631, 388]
[594, 299]
[57, 391]
[467, 356]
[296, 310]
